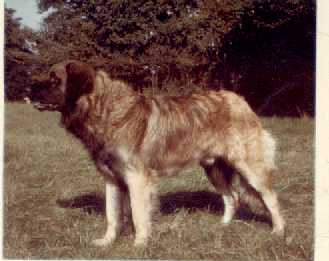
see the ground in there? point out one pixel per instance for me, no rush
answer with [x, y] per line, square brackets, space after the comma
[54, 200]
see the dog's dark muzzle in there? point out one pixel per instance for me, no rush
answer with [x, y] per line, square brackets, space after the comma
[44, 99]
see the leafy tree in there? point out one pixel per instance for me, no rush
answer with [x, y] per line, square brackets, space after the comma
[270, 56]
[186, 32]
[244, 45]
[19, 57]
[176, 38]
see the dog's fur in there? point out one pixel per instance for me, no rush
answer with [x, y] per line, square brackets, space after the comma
[134, 140]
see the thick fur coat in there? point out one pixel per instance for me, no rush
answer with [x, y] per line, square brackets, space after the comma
[135, 140]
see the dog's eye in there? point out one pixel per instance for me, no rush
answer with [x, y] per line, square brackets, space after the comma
[53, 81]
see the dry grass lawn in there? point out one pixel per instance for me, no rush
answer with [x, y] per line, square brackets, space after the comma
[54, 201]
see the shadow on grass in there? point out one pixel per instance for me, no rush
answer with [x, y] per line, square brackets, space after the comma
[90, 203]
[204, 200]
[169, 203]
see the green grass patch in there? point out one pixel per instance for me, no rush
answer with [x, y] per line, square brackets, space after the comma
[54, 200]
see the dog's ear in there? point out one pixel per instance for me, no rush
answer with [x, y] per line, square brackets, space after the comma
[80, 81]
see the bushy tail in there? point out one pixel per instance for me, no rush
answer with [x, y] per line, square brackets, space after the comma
[269, 149]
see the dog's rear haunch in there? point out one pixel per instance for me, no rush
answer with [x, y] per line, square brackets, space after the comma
[135, 140]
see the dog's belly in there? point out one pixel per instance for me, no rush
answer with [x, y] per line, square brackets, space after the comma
[174, 164]
[174, 170]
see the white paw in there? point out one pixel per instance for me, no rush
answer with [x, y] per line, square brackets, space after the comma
[279, 229]
[102, 242]
[226, 220]
[280, 232]
[140, 242]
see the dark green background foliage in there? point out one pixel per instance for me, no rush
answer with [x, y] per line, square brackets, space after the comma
[263, 50]
[18, 57]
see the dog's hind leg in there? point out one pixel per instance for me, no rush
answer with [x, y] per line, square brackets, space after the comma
[260, 179]
[252, 156]
[221, 175]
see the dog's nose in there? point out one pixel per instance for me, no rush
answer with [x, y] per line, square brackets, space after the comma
[36, 90]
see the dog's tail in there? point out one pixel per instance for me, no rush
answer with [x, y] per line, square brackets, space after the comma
[269, 150]
[247, 195]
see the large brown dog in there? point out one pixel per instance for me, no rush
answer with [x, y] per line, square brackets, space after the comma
[134, 140]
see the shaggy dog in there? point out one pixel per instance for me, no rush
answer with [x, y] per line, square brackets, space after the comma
[135, 140]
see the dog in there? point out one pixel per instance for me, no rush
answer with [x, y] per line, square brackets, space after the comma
[135, 140]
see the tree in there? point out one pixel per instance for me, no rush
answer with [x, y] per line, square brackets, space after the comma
[186, 32]
[177, 38]
[213, 43]
[270, 56]
[19, 57]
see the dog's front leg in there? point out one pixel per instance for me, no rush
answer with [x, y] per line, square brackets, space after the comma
[113, 212]
[142, 191]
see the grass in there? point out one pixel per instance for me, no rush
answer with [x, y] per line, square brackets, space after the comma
[54, 201]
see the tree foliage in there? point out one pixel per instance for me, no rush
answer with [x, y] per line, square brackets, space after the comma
[272, 53]
[244, 45]
[185, 32]
[18, 57]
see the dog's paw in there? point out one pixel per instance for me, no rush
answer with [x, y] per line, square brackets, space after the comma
[278, 232]
[102, 242]
[226, 221]
[140, 242]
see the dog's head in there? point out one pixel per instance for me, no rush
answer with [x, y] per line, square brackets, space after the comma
[65, 84]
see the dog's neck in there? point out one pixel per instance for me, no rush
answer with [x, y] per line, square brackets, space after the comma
[86, 119]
